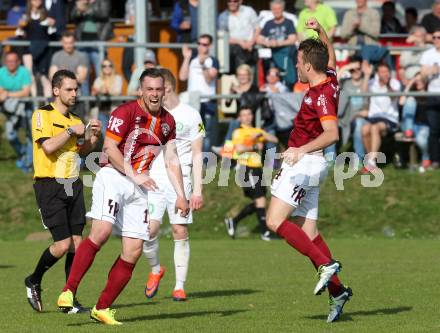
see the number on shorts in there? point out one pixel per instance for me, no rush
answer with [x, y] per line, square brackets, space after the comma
[113, 207]
[146, 215]
[278, 175]
[298, 194]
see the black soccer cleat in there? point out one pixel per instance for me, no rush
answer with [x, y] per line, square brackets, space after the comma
[33, 291]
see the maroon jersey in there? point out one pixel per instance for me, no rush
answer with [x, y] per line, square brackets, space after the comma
[140, 135]
[320, 103]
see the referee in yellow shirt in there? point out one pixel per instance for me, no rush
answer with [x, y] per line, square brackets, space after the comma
[248, 144]
[58, 137]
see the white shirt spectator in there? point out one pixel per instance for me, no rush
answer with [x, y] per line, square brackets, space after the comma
[383, 106]
[196, 80]
[243, 25]
[430, 58]
[267, 15]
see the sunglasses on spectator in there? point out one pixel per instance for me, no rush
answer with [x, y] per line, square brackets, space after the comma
[203, 44]
[436, 37]
[355, 69]
[107, 66]
[232, 1]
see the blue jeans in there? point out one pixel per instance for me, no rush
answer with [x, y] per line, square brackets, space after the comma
[271, 129]
[330, 153]
[93, 55]
[208, 111]
[421, 133]
[103, 117]
[409, 113]
[358, 144]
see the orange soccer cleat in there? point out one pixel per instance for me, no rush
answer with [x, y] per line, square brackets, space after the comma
[152, 285]
[179, 295]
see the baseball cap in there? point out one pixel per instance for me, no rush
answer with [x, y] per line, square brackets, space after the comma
[149, 56]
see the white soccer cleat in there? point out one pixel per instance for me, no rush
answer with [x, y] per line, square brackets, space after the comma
[337, 304]
[325, 273]
[230, 227]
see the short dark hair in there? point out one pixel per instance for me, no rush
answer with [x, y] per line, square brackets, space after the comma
[60, 75]
[315, 52]
[389, 4]
[437, 29]
[208, 36]
[151, 72]
[67, 34]
[169, 77]
[383, 64]
[244, 107]
[412, 11]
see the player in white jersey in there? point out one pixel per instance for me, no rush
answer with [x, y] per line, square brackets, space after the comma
[189, 141]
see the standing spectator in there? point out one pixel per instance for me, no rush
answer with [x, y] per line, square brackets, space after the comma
[92, 20]
[325, 15]
[184, 20]
[107, 84]
[149, 62]
[382, 116]
[248, 144]
[279, 35]
[411, 18]
[240, 22]
[15, 82]
[410, 59]
[361, 25]
[201, 73]
[414, 122]
[431, 21]
[389, 23]
[431, 72]
[57, 10]
[71, 59]
[37, 26]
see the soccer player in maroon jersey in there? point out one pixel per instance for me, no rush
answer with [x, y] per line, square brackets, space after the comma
[295, 188]
[136, 133]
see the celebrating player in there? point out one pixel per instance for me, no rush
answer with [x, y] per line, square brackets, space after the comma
[295, 188]
[189, 141]
[136, 132]
[57, 134]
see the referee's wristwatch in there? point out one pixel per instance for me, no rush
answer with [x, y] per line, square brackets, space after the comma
[70, 131]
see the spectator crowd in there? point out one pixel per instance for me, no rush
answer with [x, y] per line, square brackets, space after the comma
[262, 69]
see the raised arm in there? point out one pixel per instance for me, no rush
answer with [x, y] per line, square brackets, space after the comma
[312, 23]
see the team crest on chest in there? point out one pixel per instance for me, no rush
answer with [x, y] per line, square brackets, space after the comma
[308, 100]
[165, 129]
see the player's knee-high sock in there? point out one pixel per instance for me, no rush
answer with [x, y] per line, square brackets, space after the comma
[247, 210]
[181, 261]
[261, 215]
[299, 240]
[85, 254]
[151, 252]
[335, 285]
[118, 277]
[68, 263]
[47, 260]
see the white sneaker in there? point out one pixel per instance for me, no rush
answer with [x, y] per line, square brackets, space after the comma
[230, 227]
[325, 272]
[337, 304]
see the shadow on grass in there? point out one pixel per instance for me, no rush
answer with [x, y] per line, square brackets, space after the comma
[131, 305]
[6, 266]
[221, 313]
[347, 316]
[221, 293]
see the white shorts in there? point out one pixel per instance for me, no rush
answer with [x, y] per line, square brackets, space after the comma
[118, 200]
[298, 185]
[165, 199]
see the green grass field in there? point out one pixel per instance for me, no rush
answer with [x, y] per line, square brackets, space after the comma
[241, 286]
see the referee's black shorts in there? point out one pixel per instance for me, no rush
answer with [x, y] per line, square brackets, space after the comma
[251, 184]
[63, 215]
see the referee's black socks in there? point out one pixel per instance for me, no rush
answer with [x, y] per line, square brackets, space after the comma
[47, 260]
[68, 263]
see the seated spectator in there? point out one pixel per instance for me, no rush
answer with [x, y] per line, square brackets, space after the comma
[15, 83]
[414, 122]
[325, 15]
[411, 18]
[71, 59]
[92, 23]
[279, 35]
[107, 84]
[350, 107]
[431, 73]
[149, 62]
[389, 23]
[410, 59]
[248, 143]
[201, 73]
[431, 21]
[382, 116]
[273, 83]
[361, 25]
[15, 12]
[184, 20]
[37, 26]
[58, 10]
[240, 22]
